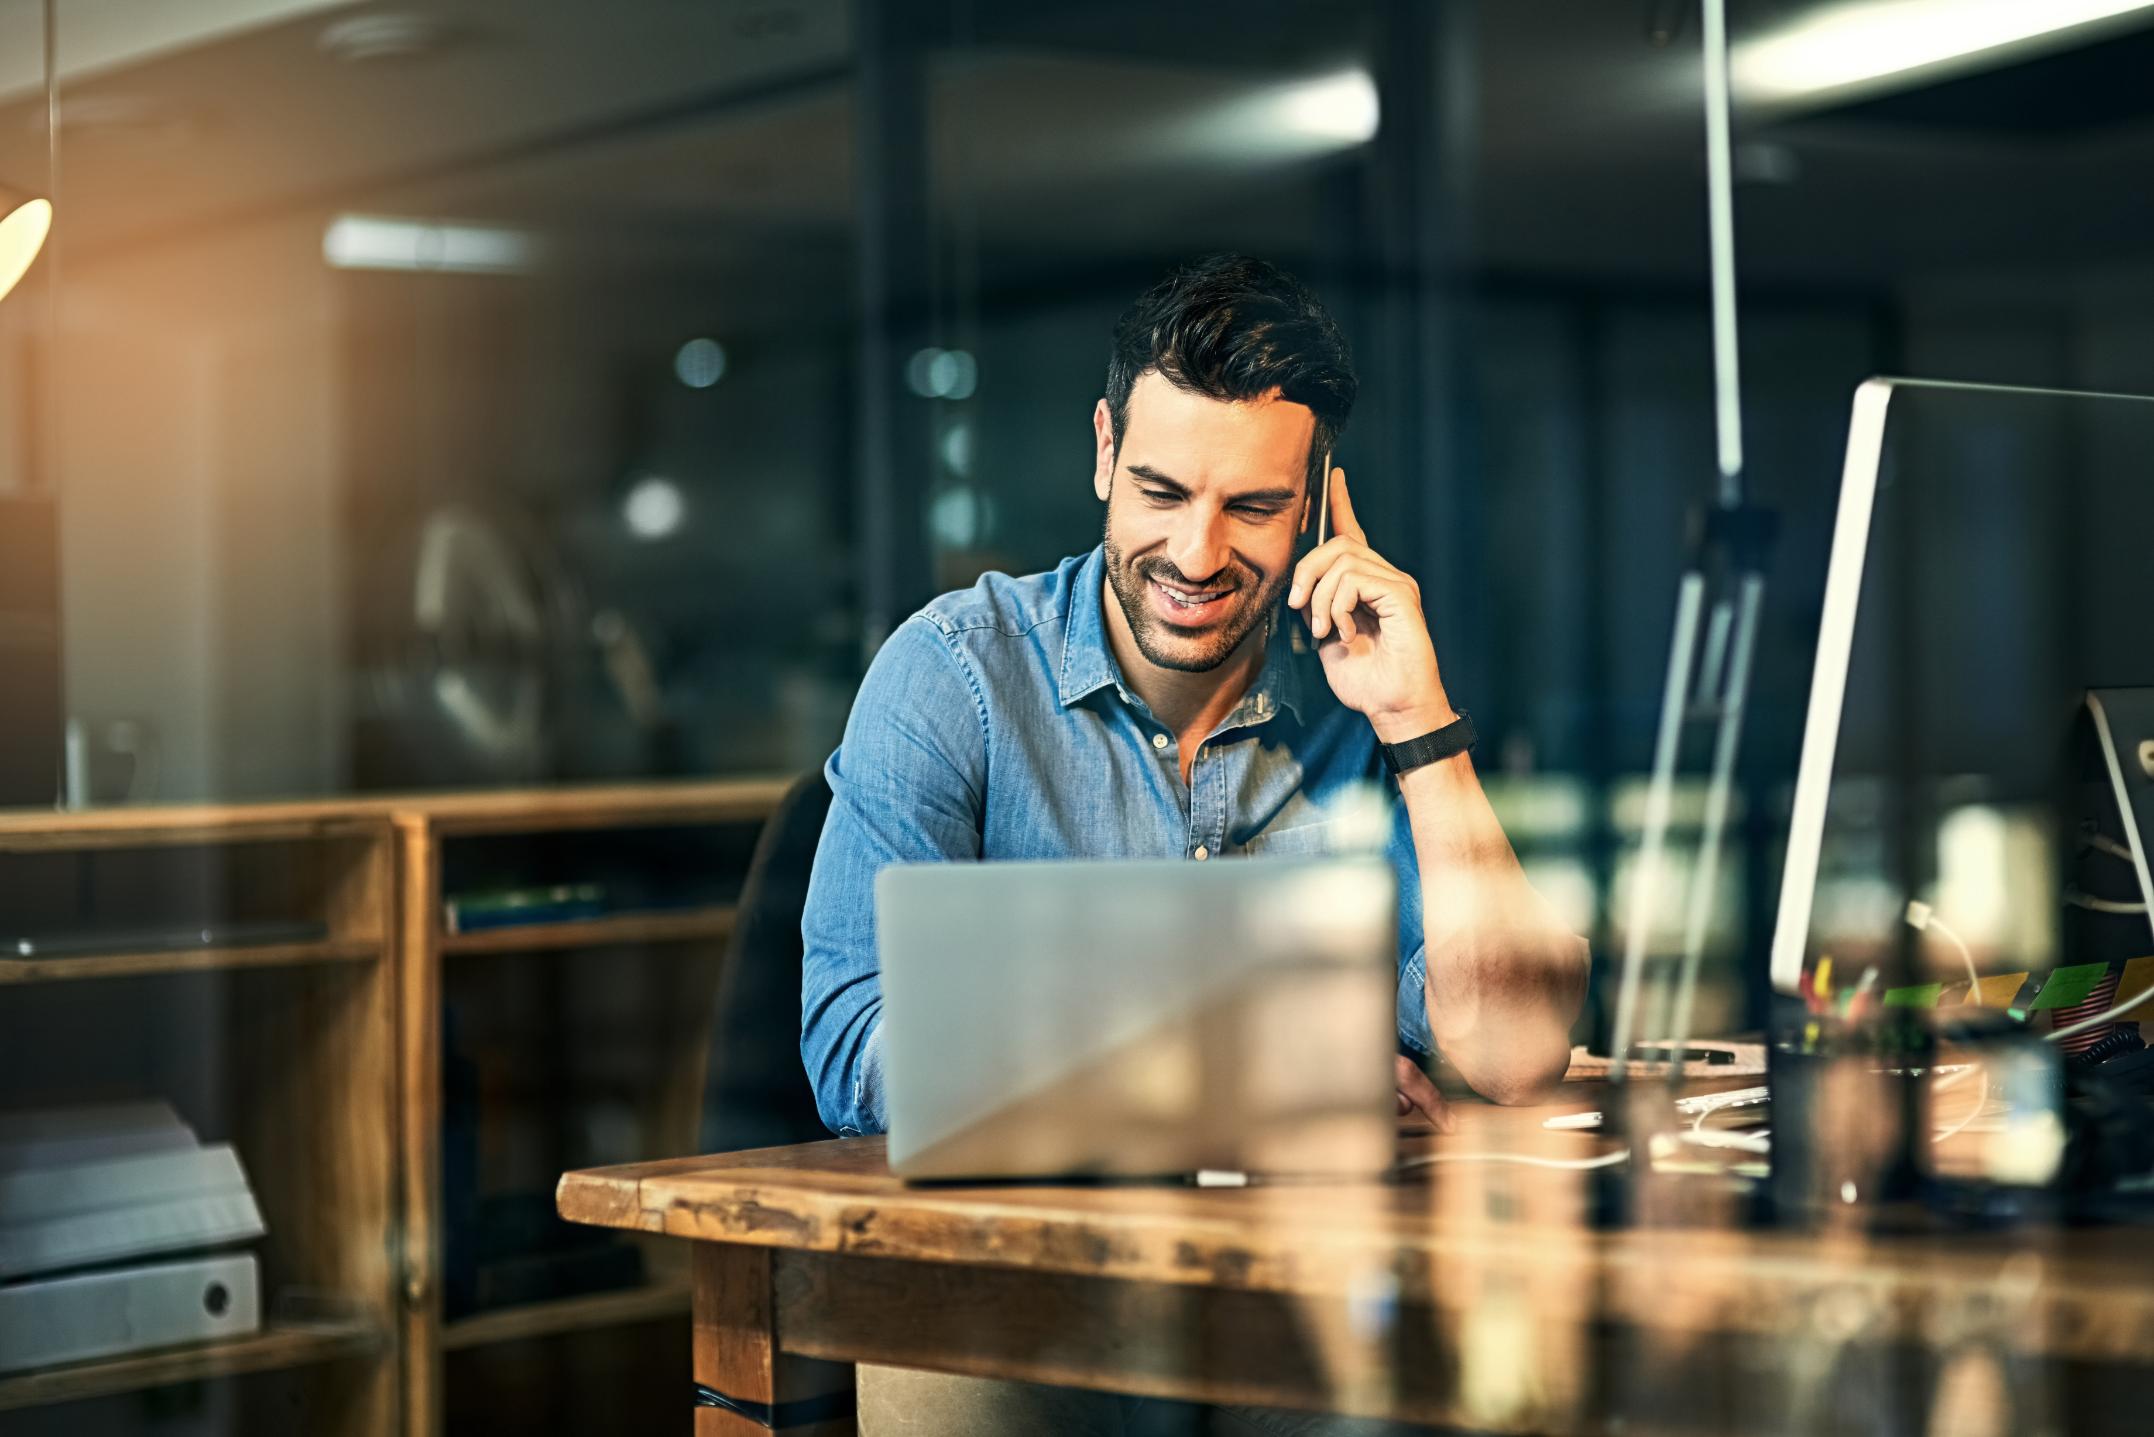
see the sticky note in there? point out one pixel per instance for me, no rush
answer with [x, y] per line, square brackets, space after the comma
[1921, 995]
[2068, 986]
[1999, 990]
[2138, 977]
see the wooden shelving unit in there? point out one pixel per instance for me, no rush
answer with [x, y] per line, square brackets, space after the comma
[713, 924]
[294, 1058]
[187, 960]
[277, 1347]
[684, 946]
[329, 1054]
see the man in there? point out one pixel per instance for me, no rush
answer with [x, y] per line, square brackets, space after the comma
[1146, 701]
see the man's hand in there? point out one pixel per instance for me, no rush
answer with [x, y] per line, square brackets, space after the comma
[1505, 979]
[1371, 636]
[1418, 1096]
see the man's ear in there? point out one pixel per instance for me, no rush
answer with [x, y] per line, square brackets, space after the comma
[1102, 450]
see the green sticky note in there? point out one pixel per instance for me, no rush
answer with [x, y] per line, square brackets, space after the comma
[2071, 985]
[1922, 995]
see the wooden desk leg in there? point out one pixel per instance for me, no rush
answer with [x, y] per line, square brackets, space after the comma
[745, 1386]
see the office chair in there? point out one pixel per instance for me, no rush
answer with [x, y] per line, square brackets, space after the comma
[756, 1092]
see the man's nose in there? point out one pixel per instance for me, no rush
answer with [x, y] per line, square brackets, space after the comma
[1200, 549]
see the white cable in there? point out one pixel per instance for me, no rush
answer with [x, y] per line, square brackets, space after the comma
[1605, 1160]
[2100, 1018]
[1981, 1102]
[2100, 905]
[1724, 1140]
[1923, 919]
[2103, 843]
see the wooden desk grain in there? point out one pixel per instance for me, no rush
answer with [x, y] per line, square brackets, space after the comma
[1363, 1298]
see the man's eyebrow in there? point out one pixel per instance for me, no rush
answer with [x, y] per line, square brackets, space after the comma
[1152, 476]
[1255, 496]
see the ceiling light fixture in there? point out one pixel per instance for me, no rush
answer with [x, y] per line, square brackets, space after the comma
[22, 235]
[1342, 108]
[1856, 44]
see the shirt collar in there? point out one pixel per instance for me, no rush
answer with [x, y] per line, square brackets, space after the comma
[1088, 664]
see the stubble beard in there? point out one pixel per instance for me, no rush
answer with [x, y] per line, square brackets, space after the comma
[1189, 653]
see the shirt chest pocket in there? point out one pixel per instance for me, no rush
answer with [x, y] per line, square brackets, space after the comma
[1298, 840]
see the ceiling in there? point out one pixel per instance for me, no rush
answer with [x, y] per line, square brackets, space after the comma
[717, 135]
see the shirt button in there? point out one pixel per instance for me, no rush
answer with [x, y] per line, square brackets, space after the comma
[1159, 740]
[1201, 854]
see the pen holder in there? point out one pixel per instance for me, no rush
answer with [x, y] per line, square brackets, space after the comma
[1848, 1104]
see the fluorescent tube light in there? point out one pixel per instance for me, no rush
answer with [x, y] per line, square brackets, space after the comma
[1341, 109]
[1858, 43]
[375, 242]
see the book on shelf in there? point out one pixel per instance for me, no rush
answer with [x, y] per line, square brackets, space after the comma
[524, 907]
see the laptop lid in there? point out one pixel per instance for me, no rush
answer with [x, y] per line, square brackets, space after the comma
[1134, 1018]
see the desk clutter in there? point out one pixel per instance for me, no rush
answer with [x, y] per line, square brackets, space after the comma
[119, 1233]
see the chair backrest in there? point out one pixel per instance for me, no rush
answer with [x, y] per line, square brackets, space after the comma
[756, 1092]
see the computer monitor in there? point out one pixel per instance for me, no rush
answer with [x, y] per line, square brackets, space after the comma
[1992, 564]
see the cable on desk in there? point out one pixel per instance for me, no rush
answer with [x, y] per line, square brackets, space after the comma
[1981, 1105]
[1605, 1160]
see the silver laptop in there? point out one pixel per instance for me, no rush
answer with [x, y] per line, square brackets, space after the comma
[1139, 1018]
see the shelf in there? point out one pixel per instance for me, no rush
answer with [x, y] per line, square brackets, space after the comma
[572, 808]
[568, 1314]
[665, 926]
[276, 1347]
[189, 960]
[33, 830]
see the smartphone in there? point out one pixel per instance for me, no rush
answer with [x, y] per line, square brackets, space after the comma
[1317, 533]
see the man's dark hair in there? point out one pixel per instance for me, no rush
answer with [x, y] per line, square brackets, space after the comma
[1235, 328]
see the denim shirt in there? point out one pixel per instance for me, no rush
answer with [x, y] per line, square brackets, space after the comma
[996, 724]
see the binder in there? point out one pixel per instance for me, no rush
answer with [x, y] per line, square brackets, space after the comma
[129, 1309]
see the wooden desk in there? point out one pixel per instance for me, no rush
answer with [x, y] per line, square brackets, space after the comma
[1474, 1297]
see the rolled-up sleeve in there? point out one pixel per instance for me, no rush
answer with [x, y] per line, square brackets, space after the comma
[907, 785]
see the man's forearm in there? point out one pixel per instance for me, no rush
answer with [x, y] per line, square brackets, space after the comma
[1505, 977]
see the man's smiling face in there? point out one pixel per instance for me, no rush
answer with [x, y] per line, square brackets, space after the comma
[1204, 498]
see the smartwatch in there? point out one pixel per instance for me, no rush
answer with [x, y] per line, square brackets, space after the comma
[1452, 739]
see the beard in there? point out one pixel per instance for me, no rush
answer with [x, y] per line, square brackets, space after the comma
[1190, 649]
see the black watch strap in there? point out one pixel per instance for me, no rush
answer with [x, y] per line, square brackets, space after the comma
[1452, 739]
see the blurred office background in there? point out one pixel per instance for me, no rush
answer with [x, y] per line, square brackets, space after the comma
[455, 394]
